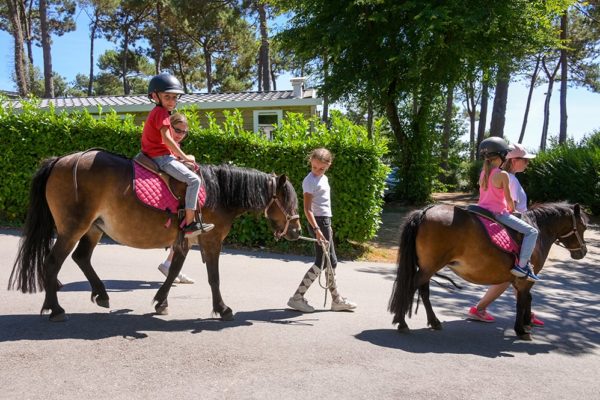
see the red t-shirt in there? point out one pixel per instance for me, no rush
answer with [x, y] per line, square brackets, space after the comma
[152, 143]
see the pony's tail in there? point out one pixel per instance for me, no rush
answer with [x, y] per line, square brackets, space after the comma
[29, 267]
[405, 286]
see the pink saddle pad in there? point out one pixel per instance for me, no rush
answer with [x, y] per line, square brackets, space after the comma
[499, 235]
[153, 191]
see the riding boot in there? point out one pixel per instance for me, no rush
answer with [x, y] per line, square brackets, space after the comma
[308, 279]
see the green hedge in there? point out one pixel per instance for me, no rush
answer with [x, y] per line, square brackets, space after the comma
[357, 175]
[566, 172]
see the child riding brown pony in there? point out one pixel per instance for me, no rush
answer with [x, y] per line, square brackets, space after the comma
[80, 197]
[443, 235]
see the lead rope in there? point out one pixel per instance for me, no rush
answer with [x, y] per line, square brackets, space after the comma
[325, 266]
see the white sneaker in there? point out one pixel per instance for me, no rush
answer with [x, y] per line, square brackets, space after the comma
[163, 268]
[183, 278]
[342, 304]
[300, 305]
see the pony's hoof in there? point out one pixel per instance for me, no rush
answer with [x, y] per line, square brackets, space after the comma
[59, 317]
[103, 303]
[162, 310]
[403, 328]
[436, 325]
[526, 337]
[100, 301]
[227, 315]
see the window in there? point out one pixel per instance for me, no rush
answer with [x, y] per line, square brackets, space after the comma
[265, 121]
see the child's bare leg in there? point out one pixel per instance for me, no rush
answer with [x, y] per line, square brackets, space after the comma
[189, 216]
[492, 294]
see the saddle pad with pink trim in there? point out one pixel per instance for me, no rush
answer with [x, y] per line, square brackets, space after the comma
[153, 191]
[499, 235]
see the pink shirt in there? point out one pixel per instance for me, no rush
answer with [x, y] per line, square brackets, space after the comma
[492, 198]
[152, 143]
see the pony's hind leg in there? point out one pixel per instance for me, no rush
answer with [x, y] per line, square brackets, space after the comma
[61, 249]
[432, 320]
[82, 256]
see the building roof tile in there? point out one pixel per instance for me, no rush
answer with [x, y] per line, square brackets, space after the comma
[202, 100]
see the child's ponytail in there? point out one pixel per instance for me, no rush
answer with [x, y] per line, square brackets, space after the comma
[487, 168]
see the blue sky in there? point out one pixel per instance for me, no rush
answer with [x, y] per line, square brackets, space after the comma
[70, 55]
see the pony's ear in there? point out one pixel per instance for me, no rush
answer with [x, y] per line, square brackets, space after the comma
[281, 180]
[576, 209]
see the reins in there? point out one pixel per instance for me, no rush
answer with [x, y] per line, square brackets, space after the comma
[325, 266]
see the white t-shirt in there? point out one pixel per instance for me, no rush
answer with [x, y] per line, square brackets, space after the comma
[318, 186]
[517, 193]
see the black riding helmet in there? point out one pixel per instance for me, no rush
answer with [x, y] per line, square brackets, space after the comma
[494, 146]
[164, 83]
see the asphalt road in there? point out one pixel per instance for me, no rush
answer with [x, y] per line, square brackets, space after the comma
[270, 352]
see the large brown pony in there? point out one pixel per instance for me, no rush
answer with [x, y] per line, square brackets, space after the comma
[443, 235]
[79, 197]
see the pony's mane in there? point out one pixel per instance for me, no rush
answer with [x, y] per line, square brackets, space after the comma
[235, 187]
[543, 211]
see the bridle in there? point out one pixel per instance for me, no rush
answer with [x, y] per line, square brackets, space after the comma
[577, 235]
[275, 200]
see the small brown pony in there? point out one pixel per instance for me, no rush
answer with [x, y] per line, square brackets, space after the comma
[82, 196]
[443, 235]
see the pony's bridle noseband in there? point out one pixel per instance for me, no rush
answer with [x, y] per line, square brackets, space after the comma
[572, 232]
[274, 199]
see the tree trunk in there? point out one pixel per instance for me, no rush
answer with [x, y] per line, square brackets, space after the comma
[273, 79]
[564, 25]
[370, 117]
[46, 50]
[325, 116]
[17, 32]
[90, 90]
[534, 76]
[416, 155]
[446, 131]
[124, 62]
[26, 26]
[551, 77]
[259, 77]
[391, 111]
[485, 95]
[159, 40]
[546, 115]
[264, 47]
[500, 98]
[208, 66]
[179, 58]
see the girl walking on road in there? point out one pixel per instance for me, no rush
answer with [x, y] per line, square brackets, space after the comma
[317, 208]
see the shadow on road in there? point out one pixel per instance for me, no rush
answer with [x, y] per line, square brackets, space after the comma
[122, 323]
[568, 292]
[457, 337]
[112, 285]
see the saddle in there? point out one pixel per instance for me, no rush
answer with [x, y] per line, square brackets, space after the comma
[159, 190]
[503, 237]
